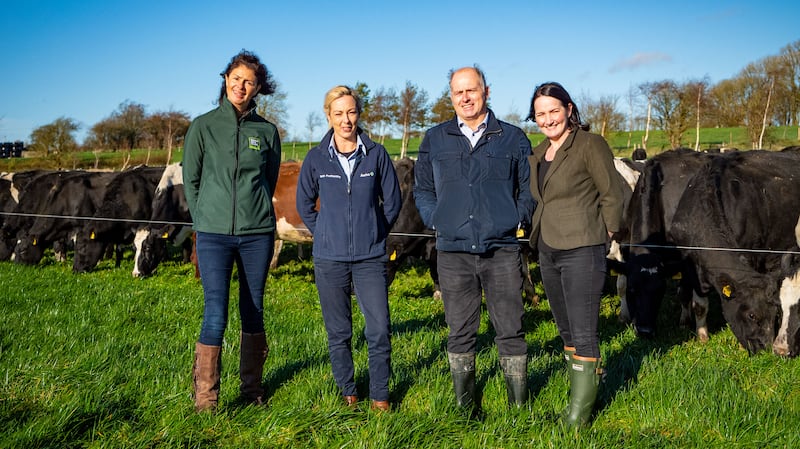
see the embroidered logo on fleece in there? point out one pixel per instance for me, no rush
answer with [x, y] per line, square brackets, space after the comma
[254, 143]
[367, 174]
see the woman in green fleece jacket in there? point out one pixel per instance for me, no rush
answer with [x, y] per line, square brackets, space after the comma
[230, 168]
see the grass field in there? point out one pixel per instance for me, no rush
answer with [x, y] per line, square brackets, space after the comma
[102, 360]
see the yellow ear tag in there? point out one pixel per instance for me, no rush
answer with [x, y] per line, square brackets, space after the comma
[726, 290]
[614, 272]
[165, 235]
[520, 233]
[92, 236]
[677, 275]
[34, 242]
[393, 256]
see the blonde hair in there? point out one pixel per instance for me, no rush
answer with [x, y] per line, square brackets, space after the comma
[337, 93]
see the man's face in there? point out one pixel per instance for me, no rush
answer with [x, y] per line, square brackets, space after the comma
[468, 95]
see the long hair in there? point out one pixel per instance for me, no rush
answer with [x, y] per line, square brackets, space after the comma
[557, 91]
[250, 60]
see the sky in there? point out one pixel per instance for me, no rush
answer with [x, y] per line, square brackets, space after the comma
[82, 59]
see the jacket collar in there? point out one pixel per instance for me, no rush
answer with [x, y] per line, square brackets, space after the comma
[325, 143]
[561, 154]
[492, 125]
[227, 106]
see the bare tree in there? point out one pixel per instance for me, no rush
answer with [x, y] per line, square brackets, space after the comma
[167, 130]
[413, 113]
[670, 109]
[55, 140]
[273, 108]
[313, 121]
[384, 111]
[697, 90]
[602, 114]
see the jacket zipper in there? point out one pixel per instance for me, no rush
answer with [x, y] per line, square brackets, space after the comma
[235, 176]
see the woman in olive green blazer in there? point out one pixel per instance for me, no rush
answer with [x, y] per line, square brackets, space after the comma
[580, 197]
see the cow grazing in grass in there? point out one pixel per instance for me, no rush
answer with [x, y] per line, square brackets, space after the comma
[168, 210]
[745, 201]
[128, 197]
[59, 201]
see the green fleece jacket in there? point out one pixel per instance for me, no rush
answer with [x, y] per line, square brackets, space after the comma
[230, 169]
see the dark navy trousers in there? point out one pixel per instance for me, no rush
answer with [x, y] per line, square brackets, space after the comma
[335, 283]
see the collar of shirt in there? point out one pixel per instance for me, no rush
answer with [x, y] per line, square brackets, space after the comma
[332, 151]
[473, 136]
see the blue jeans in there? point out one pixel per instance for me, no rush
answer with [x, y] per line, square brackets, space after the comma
[463, 278]
[216, 255]
[335, 282]
[573, 280]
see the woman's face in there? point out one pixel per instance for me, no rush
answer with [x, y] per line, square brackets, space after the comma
[241, 85]
[551, 116]
[343, 117]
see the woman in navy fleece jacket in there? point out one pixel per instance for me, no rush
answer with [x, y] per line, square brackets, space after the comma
[359, 199]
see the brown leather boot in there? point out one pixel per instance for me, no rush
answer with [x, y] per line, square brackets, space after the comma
[253, 354]
[205, 376]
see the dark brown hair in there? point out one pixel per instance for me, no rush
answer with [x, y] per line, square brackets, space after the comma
[557, 91]
[250, 60]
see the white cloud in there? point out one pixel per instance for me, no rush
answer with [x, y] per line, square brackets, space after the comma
[640, 60]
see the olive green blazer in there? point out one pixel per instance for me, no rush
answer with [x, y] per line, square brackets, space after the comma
[582, 197]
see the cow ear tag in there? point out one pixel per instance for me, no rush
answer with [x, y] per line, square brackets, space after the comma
[92, 236]
[520, 233]
[677, 275]
[393, 256]
[727, 291]
[165, 235]
[34, 242]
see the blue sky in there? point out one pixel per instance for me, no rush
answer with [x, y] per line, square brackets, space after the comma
[82, 58]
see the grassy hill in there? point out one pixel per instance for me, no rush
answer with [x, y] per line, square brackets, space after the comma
[623, 143]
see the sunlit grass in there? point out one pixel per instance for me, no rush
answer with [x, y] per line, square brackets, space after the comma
[103, 360]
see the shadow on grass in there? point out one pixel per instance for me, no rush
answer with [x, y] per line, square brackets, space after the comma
[623, 366]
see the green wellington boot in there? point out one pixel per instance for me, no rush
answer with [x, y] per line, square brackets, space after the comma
[584, 378]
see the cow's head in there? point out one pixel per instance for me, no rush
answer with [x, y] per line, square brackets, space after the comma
[28, 249]
[88, 250]
[150, 248]
[751, 306]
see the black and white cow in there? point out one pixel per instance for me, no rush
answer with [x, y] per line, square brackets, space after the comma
[74, 196]
[128, 197]
[15, 201]
[170, 223]
[650, 261]
[741, 201]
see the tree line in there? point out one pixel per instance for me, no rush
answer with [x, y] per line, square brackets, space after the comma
[765, 93]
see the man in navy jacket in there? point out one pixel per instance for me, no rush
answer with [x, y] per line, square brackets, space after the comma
[471, 187]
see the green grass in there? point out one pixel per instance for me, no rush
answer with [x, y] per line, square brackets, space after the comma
[102, 360]
[622, 143]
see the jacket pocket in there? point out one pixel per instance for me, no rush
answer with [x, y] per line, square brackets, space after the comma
[447, 166]
[498, 166]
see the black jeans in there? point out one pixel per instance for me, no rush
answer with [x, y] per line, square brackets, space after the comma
[573, 280]
[463, 278]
